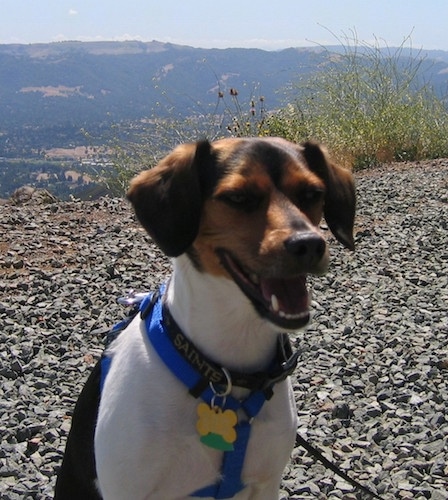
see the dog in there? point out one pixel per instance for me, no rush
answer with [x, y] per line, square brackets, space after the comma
[241, 219]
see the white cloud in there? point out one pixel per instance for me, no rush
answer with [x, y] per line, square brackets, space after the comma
[72, 12]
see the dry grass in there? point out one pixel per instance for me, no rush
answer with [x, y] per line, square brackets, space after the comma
[369, 107]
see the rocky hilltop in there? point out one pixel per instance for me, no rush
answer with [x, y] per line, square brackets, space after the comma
[371, 386]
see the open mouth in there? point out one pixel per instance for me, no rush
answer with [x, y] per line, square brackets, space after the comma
[283, 301]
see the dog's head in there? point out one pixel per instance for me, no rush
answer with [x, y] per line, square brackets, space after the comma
[249, 210]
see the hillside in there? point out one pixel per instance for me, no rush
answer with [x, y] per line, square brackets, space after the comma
[372, 381]
[69, 96]
[76, 84]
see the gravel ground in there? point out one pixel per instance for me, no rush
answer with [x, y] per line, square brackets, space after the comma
[371, 386]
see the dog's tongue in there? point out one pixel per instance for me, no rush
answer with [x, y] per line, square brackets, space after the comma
[291, 295]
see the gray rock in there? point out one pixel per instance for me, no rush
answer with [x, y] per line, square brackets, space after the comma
[371, 386]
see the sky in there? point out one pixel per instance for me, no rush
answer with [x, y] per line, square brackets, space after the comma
[264, 24]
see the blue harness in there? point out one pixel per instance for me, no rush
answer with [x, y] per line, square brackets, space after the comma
[162, 330]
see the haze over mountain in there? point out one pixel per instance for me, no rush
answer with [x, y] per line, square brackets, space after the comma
[64, 106]
[74, 82]
[79, 83]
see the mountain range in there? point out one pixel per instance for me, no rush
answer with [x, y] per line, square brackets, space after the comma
[77, 82]
[45, 84]
[60, 101]
[81, 84]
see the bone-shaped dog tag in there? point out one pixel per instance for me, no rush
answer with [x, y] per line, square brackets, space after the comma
[216, 427]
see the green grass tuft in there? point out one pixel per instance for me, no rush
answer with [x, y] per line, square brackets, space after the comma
[368, 106]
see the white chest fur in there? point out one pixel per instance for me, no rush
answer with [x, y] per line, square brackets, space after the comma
[146, 442]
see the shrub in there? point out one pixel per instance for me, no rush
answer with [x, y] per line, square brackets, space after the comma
[368, 105]
[152, 139]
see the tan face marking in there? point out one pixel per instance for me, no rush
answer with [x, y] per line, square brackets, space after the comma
[251, 216]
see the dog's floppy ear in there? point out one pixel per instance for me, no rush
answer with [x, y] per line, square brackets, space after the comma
[340, 197]
[167, 199]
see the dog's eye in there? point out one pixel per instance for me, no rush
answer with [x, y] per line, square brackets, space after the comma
[242, 200]
[310, 196]
[237, 198]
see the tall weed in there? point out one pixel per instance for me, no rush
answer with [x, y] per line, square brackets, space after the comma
[151, 139]
[368, 105]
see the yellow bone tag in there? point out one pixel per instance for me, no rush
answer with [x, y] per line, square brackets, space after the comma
[216, 427]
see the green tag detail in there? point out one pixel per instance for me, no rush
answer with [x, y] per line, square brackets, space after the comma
[216, 427]
[216, 442]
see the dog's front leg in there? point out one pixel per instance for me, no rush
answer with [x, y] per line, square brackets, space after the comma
[266, 491]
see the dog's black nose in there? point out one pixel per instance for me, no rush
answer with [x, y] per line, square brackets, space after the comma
[308, 246]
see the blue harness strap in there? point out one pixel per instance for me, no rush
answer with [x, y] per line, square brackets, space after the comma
[151, 310]
[232, 465]
[230, 483]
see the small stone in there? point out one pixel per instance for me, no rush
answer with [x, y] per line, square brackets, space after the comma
[341, 411]
[413, 376]
[16, 366]
[33, 445]
[344, 486]
[434, 447]
[442, 364]
[374, 411]
[416, 400]
[310, 488]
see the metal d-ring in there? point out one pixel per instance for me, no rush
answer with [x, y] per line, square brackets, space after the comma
[227, 390]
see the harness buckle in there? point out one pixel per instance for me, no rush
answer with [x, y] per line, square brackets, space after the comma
[132, 298]
[285, 369]
[223, 395]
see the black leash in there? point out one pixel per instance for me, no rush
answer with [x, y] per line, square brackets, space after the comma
[314, 452]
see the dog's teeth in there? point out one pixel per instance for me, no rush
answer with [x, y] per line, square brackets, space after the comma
[274, 303]
[282, 314]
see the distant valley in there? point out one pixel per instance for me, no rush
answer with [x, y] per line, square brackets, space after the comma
[71, 94]
[78, 83]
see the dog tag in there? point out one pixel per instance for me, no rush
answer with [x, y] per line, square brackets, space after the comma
[216, 427]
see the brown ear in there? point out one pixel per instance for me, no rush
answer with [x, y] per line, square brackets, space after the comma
[168, 199]
[340, 197]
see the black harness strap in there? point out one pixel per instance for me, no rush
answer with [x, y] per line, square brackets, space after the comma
[283, 366]
[286, 362]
